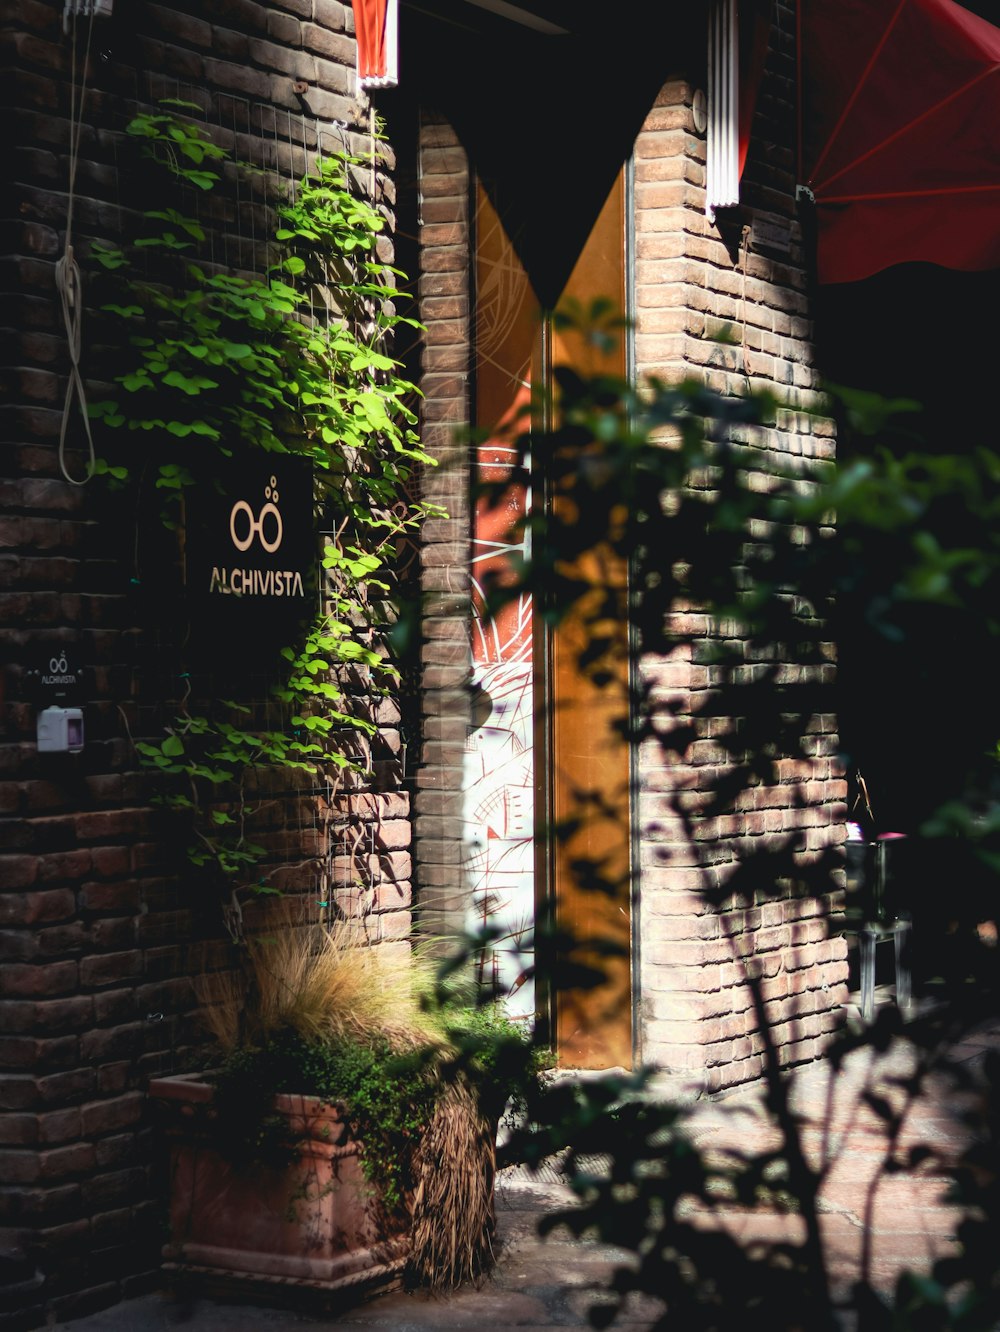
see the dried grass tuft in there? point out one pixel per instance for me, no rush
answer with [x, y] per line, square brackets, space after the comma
[318, 982]
[452, 1207]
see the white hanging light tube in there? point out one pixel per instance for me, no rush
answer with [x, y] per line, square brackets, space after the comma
[722, 177]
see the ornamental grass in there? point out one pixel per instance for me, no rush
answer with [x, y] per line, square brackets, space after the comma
[312, 1011]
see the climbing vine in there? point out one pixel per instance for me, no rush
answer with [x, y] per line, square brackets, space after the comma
[221, 364]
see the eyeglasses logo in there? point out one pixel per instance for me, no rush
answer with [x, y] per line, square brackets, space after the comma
[258, 577]
[60, 671]
[254, 525]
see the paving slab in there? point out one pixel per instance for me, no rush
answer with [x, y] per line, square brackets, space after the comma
[552, 1283]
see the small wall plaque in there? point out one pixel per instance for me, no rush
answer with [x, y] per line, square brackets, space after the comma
[54, 675]
[773, 234]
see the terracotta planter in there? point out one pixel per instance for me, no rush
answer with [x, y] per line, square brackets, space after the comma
[315, 1224]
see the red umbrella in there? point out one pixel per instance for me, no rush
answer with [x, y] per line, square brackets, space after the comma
[901, 134]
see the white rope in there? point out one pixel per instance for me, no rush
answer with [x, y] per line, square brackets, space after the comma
[371, 135]
[744, 252]
[69, 282]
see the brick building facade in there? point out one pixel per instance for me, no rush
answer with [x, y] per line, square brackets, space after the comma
[99, 930]
[102, 921]
[687, 277]
[689, 283]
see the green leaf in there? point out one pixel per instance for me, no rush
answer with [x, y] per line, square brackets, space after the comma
[204, 180]
[287, 384]
[189, 384]
[107, 257]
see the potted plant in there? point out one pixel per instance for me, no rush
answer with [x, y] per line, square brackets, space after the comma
[346, 1139]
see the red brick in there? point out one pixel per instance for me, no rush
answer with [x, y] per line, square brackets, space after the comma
[161, 927]
[109, 968]
[106, 1116]
[58, 1125]
[16, 872]
[50, 834]
[102, 825]
[60, 1162]
[18, 1130]
[113, 934]
[33, 1204]
[65, 1241]
[114, 1078]
[106, 1191]
[393, 925]
[164, 962]
[334, 46]
[60, 1087]
[19, 1167]
[60, 940]
[27, 1052]
[110, 861]
[110, 1007]
[105, 1044]
[164, 996]
[179, 26]
[49, 979]
[288, 31]
[18, 1091]
[393, 835]
[122, 1149]
[49, 1015]
[64, 867]
[18, 945]
[123, 896]
[111, 1227]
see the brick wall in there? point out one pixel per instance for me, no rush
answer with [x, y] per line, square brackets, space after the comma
[693, 279]
[99, 927]
[444, 309]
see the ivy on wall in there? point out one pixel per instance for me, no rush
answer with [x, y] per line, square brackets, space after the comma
[219, 363]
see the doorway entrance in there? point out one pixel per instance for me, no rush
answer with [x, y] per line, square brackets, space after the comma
[547, 804]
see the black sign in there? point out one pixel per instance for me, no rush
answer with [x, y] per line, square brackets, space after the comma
[251, 540]
[54, 676]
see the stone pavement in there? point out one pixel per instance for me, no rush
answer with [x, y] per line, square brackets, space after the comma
[551, 1283]
[906, 1214]
[537, 1284]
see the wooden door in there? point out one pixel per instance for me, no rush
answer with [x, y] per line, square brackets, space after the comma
[589, 767]
[570, 752]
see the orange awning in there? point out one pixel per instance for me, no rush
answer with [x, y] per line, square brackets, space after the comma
[375, 23]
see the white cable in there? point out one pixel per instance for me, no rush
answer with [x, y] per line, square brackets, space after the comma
[371, 135]
[745, 238]
[69, 282]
